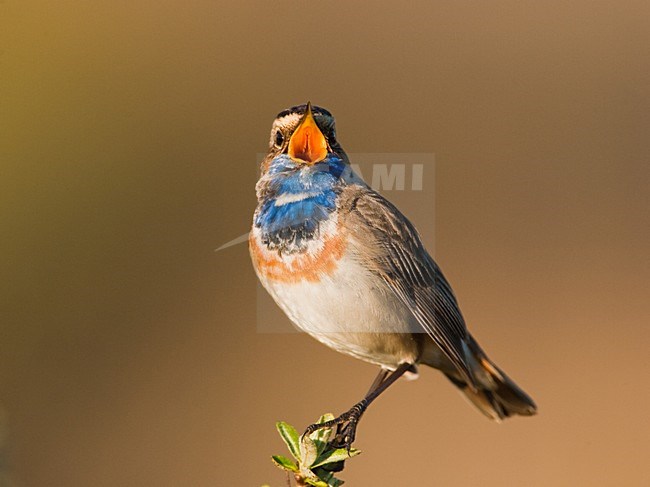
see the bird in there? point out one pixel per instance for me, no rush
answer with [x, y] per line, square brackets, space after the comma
[348, 268]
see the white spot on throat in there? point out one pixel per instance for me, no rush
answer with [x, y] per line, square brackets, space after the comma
[286, 198]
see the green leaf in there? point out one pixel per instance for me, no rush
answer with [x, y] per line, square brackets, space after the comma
[332, 456]
[321, 446]
[325, 476]
[290, 437]
[328, 478]
[322, 436]
[311, 478]
[308, 451]
[316, 482]
[284, 463]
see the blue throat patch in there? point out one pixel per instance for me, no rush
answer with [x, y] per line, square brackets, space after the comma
[288, 225]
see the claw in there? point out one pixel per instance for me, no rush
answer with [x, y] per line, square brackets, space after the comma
[345, 437]
[346, 427]
[317, 426]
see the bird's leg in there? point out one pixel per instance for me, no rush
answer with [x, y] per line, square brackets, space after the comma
[381, 376]
[346, 423]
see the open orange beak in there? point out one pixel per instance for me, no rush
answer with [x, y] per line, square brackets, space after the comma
[308, 144]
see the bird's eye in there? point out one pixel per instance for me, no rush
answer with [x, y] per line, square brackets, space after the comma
[279, 138]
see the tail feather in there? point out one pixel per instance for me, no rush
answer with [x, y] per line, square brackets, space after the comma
[496, 395]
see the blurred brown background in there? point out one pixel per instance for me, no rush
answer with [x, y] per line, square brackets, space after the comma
[129, 353]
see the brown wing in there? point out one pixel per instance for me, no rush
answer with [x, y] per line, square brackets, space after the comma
[392, 248]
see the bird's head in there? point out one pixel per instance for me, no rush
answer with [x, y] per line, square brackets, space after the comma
[304, 135]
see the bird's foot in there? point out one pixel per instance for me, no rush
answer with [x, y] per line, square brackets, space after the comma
[346, 426]
[345, 433]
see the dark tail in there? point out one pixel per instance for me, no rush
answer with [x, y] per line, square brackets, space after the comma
[496, 395]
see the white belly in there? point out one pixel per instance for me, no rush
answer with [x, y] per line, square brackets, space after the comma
[352, 311]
